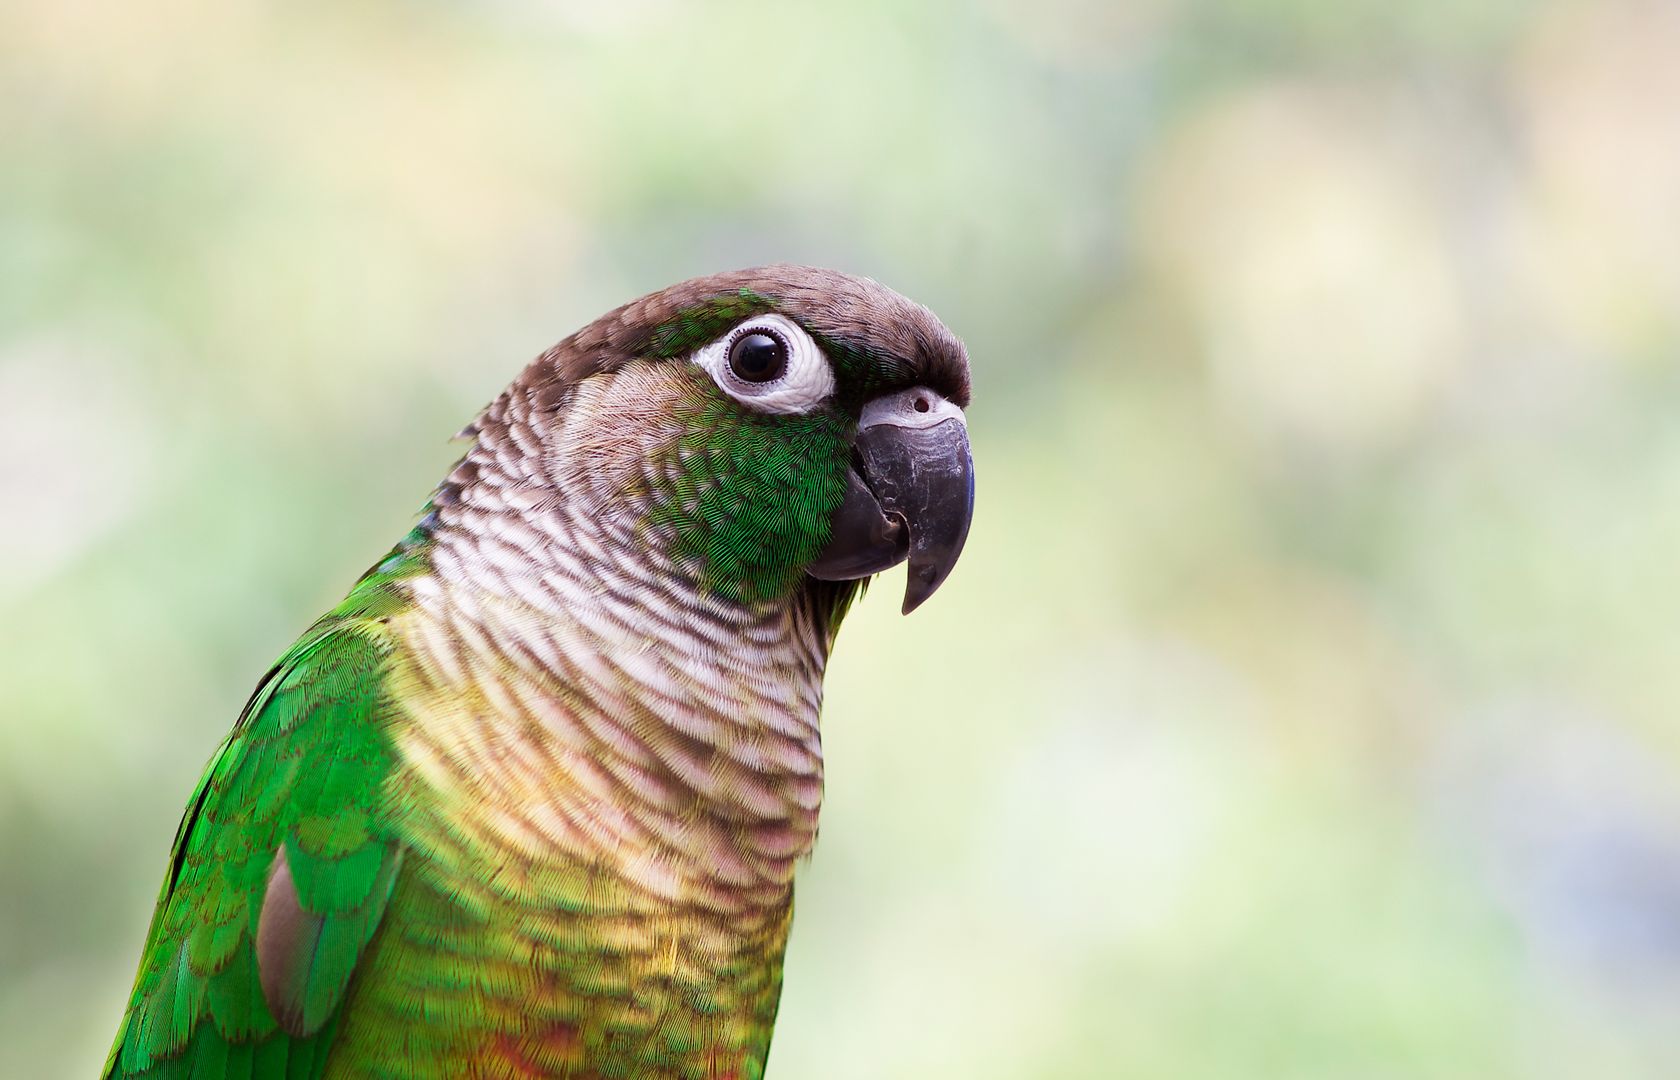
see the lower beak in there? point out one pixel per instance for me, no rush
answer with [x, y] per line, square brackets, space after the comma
[909, 494]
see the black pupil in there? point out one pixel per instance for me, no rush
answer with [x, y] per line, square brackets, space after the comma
[758, 357]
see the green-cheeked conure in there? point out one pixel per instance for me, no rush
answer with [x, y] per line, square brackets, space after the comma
[528, 802]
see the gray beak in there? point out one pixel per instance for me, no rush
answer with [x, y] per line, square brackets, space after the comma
[909, 494]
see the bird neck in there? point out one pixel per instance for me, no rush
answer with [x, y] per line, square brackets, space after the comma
[581, 696]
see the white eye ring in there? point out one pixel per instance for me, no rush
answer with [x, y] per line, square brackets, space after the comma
[806, 383]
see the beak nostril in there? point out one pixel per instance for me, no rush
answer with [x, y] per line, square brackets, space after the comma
[921, 404]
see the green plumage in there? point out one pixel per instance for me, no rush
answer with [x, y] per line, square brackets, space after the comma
[302, 770]
[753, 495]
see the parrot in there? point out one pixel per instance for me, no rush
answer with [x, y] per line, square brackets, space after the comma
[529, 801]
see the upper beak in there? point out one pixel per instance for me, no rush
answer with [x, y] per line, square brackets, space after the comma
[909, 493]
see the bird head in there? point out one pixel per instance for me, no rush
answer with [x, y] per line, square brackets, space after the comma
[759, 429]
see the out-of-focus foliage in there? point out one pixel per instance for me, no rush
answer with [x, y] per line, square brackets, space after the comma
[1306, 704]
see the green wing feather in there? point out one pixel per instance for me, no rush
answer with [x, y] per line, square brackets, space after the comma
[304, 771]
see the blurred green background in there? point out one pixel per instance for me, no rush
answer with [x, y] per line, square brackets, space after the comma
[1305, 705]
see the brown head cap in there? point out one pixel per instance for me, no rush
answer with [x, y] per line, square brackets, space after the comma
[849, 313]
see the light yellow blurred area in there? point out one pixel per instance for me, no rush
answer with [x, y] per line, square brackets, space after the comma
[1307, 703]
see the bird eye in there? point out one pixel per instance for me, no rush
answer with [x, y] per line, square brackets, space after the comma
[758, 357]
[770, 364]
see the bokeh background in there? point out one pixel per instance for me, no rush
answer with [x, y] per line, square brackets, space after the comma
[1306, 703]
